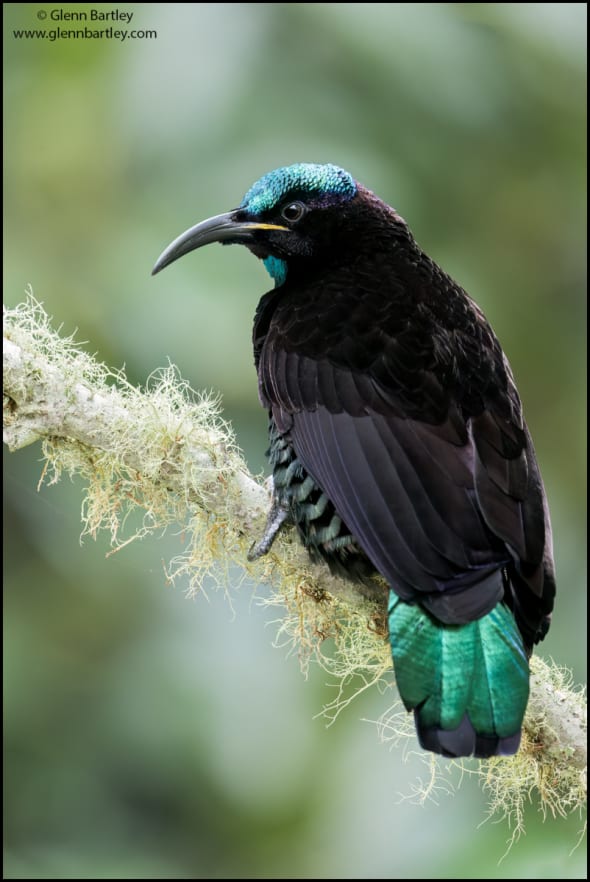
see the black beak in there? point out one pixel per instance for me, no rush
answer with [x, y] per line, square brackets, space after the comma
[222, 228]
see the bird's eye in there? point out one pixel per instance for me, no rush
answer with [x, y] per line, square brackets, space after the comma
[294, 211]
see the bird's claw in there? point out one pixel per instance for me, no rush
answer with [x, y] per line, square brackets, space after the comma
[277, 515]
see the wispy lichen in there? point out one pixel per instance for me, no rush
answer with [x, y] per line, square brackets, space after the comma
[549, 768]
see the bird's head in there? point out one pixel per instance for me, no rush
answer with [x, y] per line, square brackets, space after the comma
[290, 215]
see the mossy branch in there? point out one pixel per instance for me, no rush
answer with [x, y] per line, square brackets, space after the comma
[165, 452]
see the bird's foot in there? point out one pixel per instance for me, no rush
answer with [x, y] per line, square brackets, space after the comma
[277, 516]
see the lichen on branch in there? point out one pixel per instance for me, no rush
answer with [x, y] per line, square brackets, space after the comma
[165, 452]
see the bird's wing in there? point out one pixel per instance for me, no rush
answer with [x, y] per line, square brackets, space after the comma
[438, 507]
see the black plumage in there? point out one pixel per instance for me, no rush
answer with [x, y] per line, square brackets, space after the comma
[397, 438]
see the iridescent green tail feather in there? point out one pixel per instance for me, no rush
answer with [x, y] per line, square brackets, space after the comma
[468, 685]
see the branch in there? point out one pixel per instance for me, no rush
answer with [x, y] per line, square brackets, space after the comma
[165, 435]
[165, 452]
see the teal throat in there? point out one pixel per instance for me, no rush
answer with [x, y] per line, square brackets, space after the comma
[277, 269]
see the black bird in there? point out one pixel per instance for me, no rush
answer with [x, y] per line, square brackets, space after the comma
[398, 445]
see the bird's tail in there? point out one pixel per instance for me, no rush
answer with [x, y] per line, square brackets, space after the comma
[468, 685]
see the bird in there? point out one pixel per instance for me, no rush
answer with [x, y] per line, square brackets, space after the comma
[398, 446]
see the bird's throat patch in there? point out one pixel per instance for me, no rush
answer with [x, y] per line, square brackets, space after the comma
[276, 268]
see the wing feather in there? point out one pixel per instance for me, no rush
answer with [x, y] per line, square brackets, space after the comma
[440, 504]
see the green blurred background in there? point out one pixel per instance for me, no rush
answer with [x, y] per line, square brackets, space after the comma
[152, 736]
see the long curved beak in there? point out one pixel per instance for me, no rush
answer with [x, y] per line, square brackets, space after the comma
[221, 228]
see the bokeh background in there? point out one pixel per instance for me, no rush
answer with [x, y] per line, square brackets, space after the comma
[152, 736]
